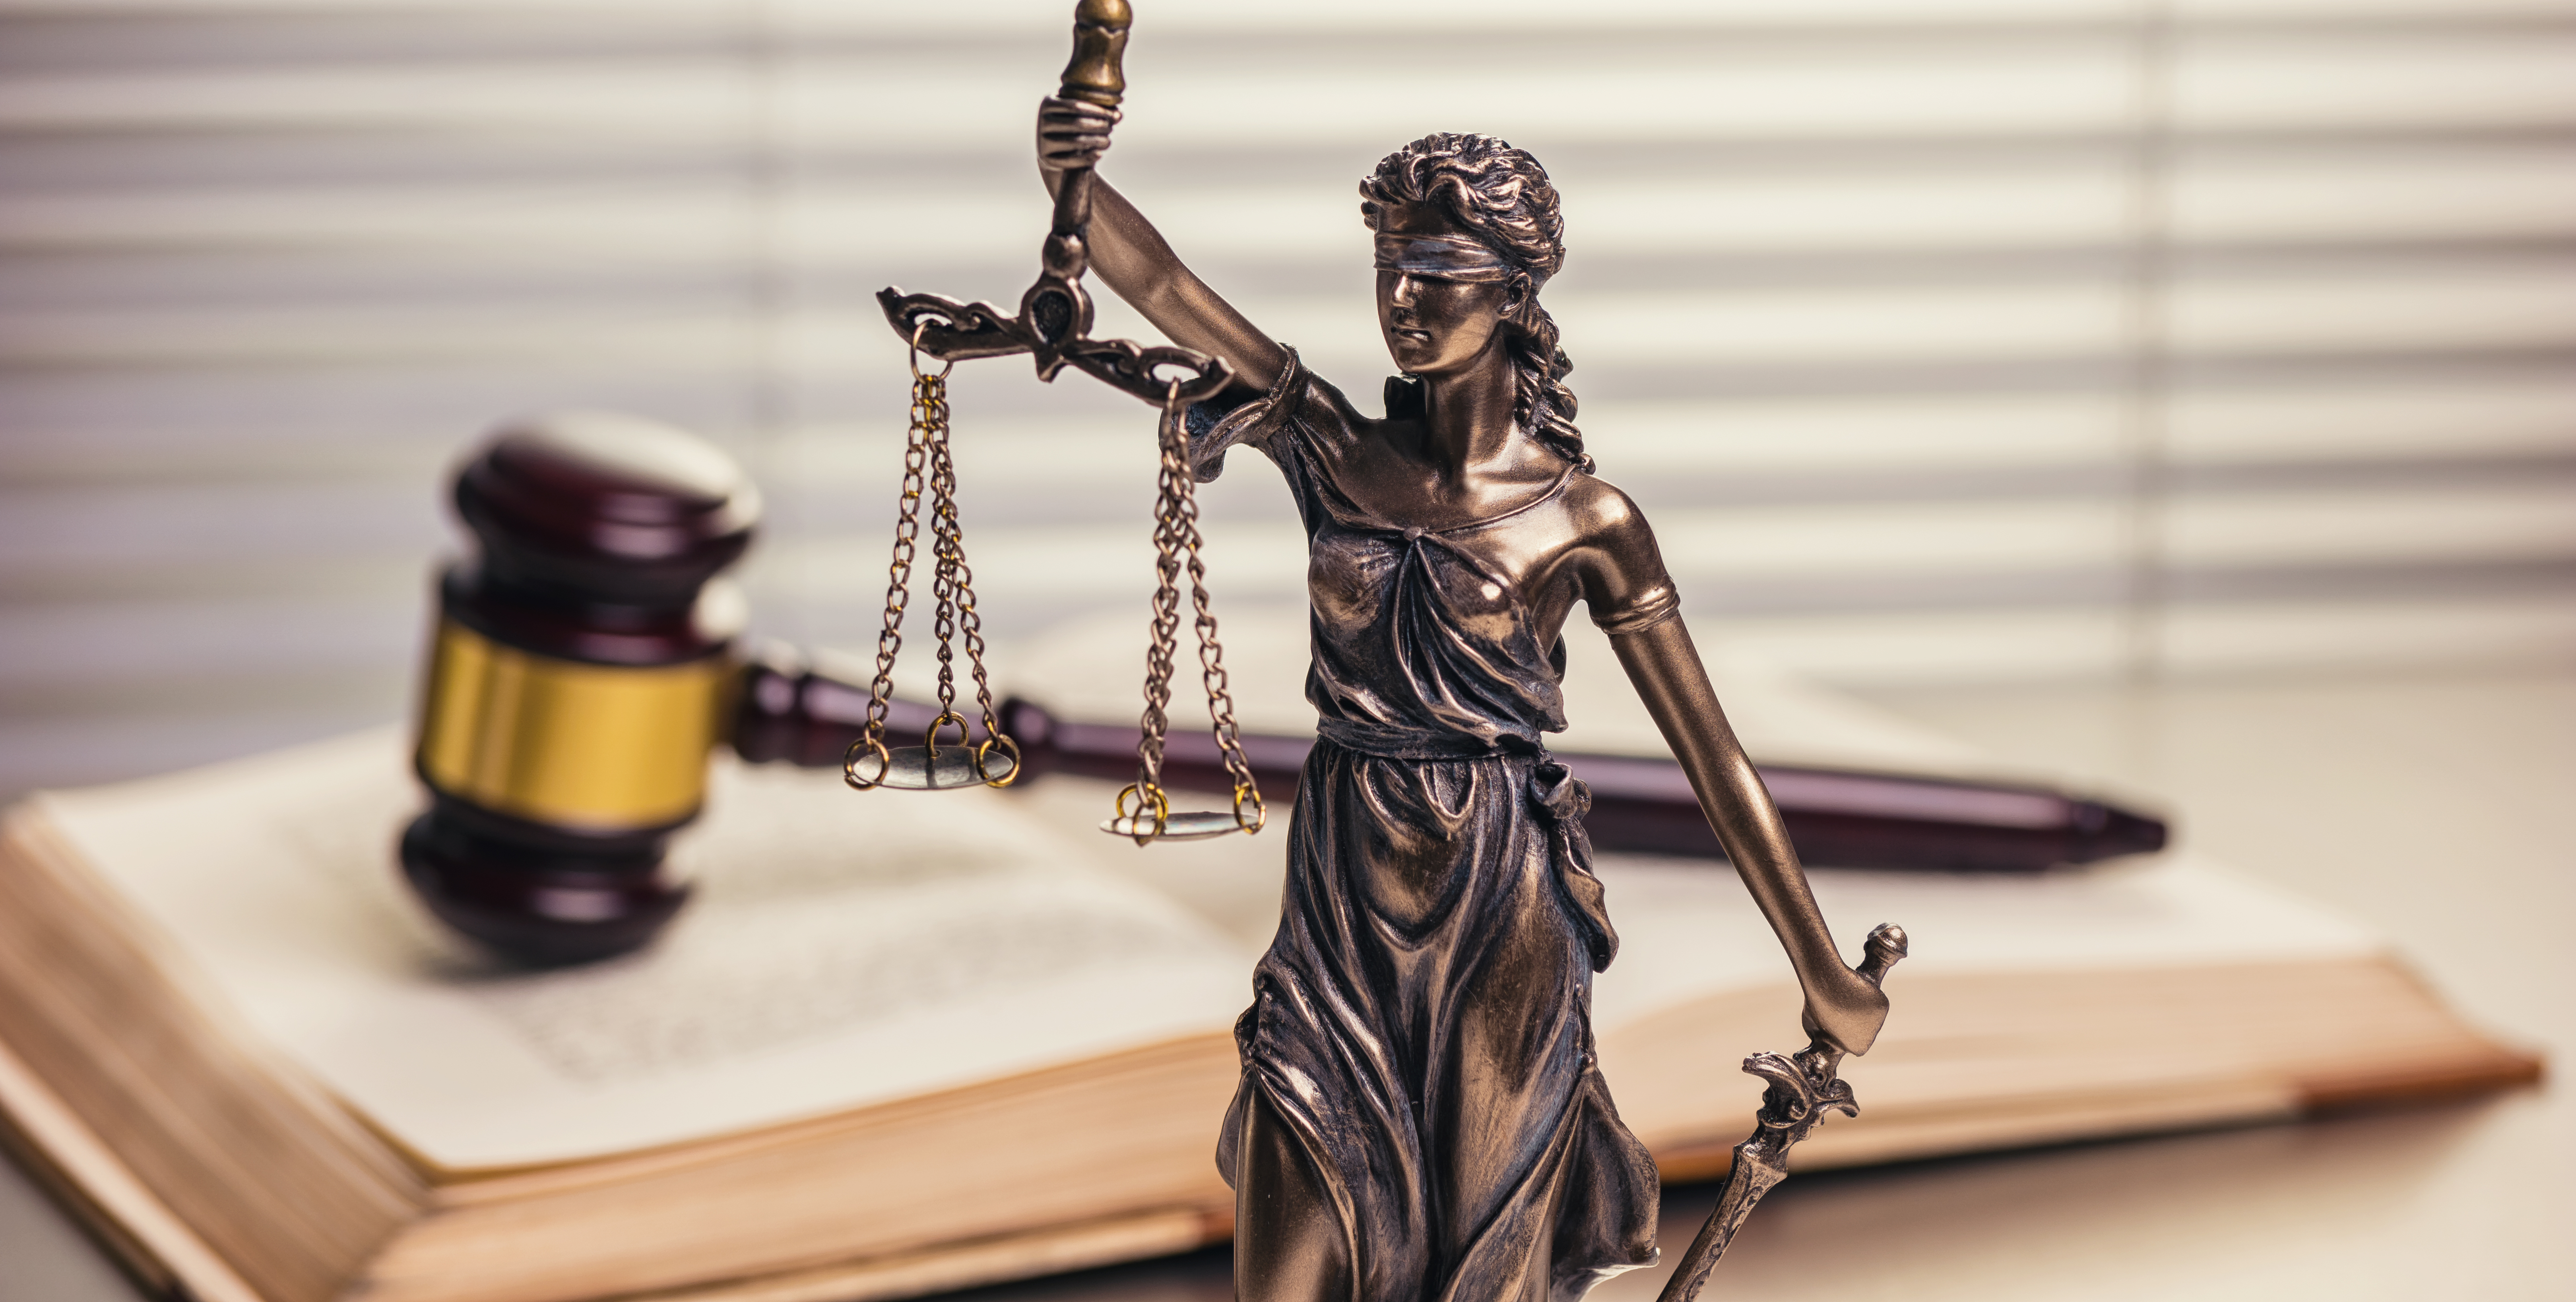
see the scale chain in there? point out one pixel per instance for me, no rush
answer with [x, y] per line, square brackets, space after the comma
[955, 584]
[930, 471]
[943, 575]
[1177, 548]
[970, 630]
[1164, 628]
[1212, 675]
[929, 408]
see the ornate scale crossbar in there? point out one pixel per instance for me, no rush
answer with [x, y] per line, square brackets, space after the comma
[1053, 326]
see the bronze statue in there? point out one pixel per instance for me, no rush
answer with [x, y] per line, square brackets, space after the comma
[1421, 1116]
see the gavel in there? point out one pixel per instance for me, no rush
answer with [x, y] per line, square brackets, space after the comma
[585, 664]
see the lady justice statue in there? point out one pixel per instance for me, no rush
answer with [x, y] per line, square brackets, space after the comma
[1421, 1118]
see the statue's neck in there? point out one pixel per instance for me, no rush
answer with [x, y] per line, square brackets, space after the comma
[1467, 413]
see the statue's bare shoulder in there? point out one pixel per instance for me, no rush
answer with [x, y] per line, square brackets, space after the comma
[1615, 562]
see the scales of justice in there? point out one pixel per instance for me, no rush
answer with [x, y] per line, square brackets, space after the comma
[1053, 325]
[1420, 1117]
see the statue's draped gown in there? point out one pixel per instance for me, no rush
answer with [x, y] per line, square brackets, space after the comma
[1421, 1118]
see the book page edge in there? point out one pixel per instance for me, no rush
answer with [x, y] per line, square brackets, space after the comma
[99, 1189]
[943, 1268]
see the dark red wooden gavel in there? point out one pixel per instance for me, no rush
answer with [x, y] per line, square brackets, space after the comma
[585, 664]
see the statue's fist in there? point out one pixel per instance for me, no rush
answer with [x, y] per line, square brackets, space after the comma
[1072, 133]
[1845, 1009]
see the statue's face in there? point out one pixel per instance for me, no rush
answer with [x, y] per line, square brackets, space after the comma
[1435, 326]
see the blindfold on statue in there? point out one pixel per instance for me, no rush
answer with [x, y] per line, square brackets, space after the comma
[1445, 257]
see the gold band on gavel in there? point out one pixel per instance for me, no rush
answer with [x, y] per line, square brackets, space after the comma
[597, 747]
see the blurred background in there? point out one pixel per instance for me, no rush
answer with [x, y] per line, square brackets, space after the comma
[2183, 392]
[1948, 342]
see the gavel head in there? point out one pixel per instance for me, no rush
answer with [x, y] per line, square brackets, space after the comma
[577, 678]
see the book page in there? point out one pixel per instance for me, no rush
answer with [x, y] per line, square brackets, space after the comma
[842, 949]
[1689, 928]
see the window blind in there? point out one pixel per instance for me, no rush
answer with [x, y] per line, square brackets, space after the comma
[1942, 342]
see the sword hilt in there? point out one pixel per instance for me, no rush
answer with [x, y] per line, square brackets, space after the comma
[1886, 945]
[1803, 1088]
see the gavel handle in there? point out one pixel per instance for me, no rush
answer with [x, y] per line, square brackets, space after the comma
[1643, 804]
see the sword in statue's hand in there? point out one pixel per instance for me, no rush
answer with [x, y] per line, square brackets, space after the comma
[1803, 1088]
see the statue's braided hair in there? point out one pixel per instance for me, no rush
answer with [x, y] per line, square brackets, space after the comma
[1501, 196]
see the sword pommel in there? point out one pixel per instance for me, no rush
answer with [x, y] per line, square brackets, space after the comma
[1886, 945]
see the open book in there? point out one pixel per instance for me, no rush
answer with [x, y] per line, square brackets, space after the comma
[902, 1043]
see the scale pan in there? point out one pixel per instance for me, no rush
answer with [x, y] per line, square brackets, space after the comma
[1195, 826]
[910, 768]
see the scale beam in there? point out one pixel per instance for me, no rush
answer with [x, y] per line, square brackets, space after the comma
[1053, 324]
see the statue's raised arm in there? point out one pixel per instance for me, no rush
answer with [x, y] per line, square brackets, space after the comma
[1053, 324]
[1134, 259]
